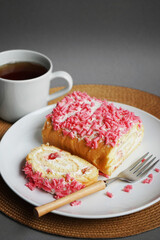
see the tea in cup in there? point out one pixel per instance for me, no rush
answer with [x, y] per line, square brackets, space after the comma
[25, 78]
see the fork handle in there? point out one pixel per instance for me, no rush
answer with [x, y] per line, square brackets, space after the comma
[108, 181]
[46, 208]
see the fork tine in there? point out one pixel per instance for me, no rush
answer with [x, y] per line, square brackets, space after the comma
[140, 165]
[142, 169]
[141, 174]
[138, 161]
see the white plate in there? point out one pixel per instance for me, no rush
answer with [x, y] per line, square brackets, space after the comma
[25, 134]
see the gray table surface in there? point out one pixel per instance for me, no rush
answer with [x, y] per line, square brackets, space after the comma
[114, 42]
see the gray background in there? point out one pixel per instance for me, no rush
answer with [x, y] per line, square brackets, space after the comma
[114, 42]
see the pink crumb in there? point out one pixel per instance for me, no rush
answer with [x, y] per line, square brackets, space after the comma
[150, 175]
[157, 170]
[150, 180]
[110, 195]
[147, 180]
[108, 125]
[62, 186]
[75, 203]
[52, 156]
[48, 170]
[143, 159]
[103, 174]
[127, 188]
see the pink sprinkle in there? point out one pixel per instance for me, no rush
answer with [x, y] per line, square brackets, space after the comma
[104, 175]
[92, 104]
[87, 139]
[143, 160]
[83, 133]
[77, 128]
[67, 177]
[62, 186]
[157, 170]
[75, 203]
[52, 156]
[90, 131]
[84, 170]
[150, 180]
[95, 144]
[150, 175]
[74, 115]
[127, 188]
[48, 170]
[49, 115]
[110, 195]
[147, 180]
[65, 132]
[71, 135]
[30, 185]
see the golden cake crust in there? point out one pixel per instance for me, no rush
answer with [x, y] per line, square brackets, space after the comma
[101, 157]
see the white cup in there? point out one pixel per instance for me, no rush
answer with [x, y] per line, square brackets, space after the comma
[18, 98]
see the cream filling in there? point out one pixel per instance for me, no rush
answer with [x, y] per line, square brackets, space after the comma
[59, 166]
[126, 146]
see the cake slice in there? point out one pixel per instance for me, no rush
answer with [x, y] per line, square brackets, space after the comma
[58, 172]
[93, 129]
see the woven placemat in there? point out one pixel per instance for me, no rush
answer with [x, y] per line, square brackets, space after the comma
[21, 211]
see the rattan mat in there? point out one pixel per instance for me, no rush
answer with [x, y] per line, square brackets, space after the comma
[21, 211]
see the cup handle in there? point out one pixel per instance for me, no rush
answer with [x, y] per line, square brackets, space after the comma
[65, 76]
